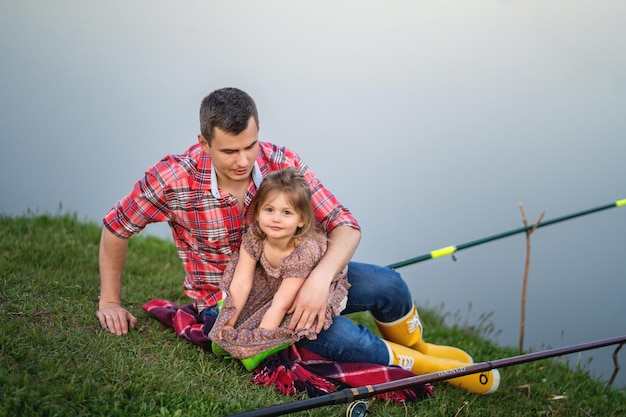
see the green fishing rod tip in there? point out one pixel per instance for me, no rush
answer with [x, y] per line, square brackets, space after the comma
[621, 202]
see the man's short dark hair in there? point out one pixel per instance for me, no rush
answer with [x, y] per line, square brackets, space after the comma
[228, 109]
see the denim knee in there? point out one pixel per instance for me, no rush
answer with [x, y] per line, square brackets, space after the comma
[378, 289]
[345, 341]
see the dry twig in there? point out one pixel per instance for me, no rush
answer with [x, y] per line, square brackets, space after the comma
[525, 285]
[615, 364]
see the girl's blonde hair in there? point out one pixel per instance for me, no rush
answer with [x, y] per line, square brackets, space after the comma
[293, 185]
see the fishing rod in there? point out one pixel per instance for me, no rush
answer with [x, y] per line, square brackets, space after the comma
[348, 395]
[449, 250]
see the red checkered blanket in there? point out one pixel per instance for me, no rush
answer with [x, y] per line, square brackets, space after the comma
[293, 369]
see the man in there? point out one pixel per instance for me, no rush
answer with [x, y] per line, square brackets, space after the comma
[205, 195]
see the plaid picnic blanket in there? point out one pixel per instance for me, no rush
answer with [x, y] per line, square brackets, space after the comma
[294, 369]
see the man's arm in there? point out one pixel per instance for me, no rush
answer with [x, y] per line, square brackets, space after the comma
[312, 298]
[111, 314]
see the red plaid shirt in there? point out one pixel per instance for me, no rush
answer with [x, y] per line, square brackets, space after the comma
[206, 222]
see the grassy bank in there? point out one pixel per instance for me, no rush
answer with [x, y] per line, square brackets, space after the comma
[57, 361]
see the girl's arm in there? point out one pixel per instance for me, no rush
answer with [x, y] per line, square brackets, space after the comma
[282, 301]
[242, 283]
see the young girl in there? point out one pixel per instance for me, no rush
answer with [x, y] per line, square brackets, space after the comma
[277, 254]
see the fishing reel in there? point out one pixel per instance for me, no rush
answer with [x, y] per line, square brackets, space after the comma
[356, 409]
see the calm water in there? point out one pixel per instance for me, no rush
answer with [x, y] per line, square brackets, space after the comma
[430, 120]
[575, 287]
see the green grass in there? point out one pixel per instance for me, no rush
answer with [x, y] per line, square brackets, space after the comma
[55, 360]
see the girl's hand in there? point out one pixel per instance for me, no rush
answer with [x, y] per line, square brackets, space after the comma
[226, 327]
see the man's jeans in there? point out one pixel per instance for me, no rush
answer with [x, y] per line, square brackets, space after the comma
[384, 293]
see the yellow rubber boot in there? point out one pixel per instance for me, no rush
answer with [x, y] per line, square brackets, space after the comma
[420, 364]
[408, 331]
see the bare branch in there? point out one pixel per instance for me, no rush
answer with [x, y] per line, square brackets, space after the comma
[526, 268]
[615, 364]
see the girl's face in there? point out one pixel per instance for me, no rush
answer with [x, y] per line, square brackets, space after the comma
[277, 217]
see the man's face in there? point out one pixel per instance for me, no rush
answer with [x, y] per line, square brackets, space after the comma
[233, 156]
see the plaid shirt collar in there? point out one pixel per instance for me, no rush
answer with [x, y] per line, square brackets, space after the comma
[257, 178]
[205, 167]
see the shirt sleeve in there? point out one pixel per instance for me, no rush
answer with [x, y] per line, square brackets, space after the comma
[252, 245]
[329, 212]
[145, 204]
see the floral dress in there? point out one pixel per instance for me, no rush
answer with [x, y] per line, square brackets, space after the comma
[247, 339]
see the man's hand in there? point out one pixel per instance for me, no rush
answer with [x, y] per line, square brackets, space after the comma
[310, 304]
[111, 314]
[312, 299]
[116, 319]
